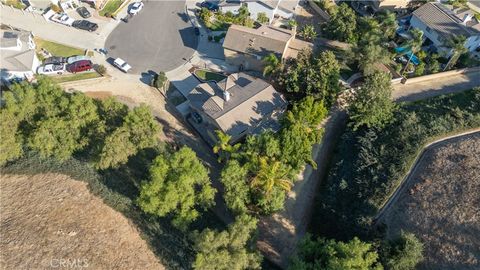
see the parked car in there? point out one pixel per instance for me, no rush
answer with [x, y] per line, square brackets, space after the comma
[85, 25]
[62, 18]
[135, 8]
[197, 31]
[51, 69]
[83, 11]
[209, 5]
[80, 66]
[55, 60]
[75, 58]
[122, 65]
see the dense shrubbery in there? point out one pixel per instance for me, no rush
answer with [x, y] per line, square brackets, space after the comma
[43, 118]
[258, 173]
[371, 162]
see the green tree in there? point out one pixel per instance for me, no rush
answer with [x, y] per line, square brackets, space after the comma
[178, 184]
[223, 146]
[272, 65]
[237, 192]
[292, 24]
[308, 32]
[55, 137]
[271, 173]
[403, 253]
[116, 150]
[231, 249]
[160, 80]
[143, 128]
[262, 17]
[206, 16]
[389, 23]
[112, 113]
[457, 45]
[372, 105]
[414, 44]
[313, 76]
[343, 25]
[11, 141]
[300, 131]
[332, 255]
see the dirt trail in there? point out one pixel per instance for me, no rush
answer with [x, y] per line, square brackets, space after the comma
[50, 221]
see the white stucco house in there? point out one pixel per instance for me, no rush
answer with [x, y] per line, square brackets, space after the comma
[272, 8]
[18, 59]
[440, 22]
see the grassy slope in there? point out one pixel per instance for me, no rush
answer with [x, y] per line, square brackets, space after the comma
[57, 49]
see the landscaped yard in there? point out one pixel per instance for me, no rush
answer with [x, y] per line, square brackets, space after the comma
[206, 75]
[15, 3]
[75, 77]
[110, 7]
[57, 49]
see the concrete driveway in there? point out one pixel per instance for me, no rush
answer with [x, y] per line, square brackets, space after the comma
[159, 38]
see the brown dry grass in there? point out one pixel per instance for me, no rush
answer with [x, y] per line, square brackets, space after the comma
[441, 205]
[47, 218]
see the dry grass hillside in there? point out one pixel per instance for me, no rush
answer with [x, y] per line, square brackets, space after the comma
[50, 221]
[441, 205]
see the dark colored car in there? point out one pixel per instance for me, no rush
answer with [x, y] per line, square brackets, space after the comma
[85, 25]
[80, 66]
[197, 31]
[209, 5]
[55, 60]
[84, 12]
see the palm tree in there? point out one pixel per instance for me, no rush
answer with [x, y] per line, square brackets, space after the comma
[308, 32]
[271, 174]
[223, 146]
[457, 44]
[415, 44]
[272, 64]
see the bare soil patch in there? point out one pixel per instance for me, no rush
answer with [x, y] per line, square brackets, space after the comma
[441, 205]
[50, 221]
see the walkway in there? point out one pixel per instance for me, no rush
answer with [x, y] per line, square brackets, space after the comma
[439, 86]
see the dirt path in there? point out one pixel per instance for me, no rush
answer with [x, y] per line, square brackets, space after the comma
[51, 221]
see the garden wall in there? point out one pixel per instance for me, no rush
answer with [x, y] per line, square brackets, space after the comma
[319, 11]
[442, 75]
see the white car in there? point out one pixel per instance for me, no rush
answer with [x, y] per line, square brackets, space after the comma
[62, 19]
[51, 69]
[122, 65]
[135, 8]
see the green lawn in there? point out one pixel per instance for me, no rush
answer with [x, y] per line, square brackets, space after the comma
[110, 7]
[57, 49]
[75, 77]
[218, 26]
[15, 3]
[206, 75]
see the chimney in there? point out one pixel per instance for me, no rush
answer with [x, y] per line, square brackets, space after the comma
[226, 95]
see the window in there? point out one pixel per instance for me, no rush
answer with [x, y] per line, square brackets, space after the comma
[428, 29]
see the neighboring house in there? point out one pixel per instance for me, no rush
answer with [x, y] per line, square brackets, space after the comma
[246, 47]
[439, 23]
[238, 105]
[393, 5]
[18, 59]
[272, 8]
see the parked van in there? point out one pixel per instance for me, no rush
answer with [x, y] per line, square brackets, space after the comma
[80, 66]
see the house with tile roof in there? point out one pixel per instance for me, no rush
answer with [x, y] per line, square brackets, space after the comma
[238, 105]
[245, 47]
[440, 22]
[18, 59]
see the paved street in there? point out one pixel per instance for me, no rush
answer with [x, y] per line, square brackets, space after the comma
[159, 38]
[57, 32]
[439, 86]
